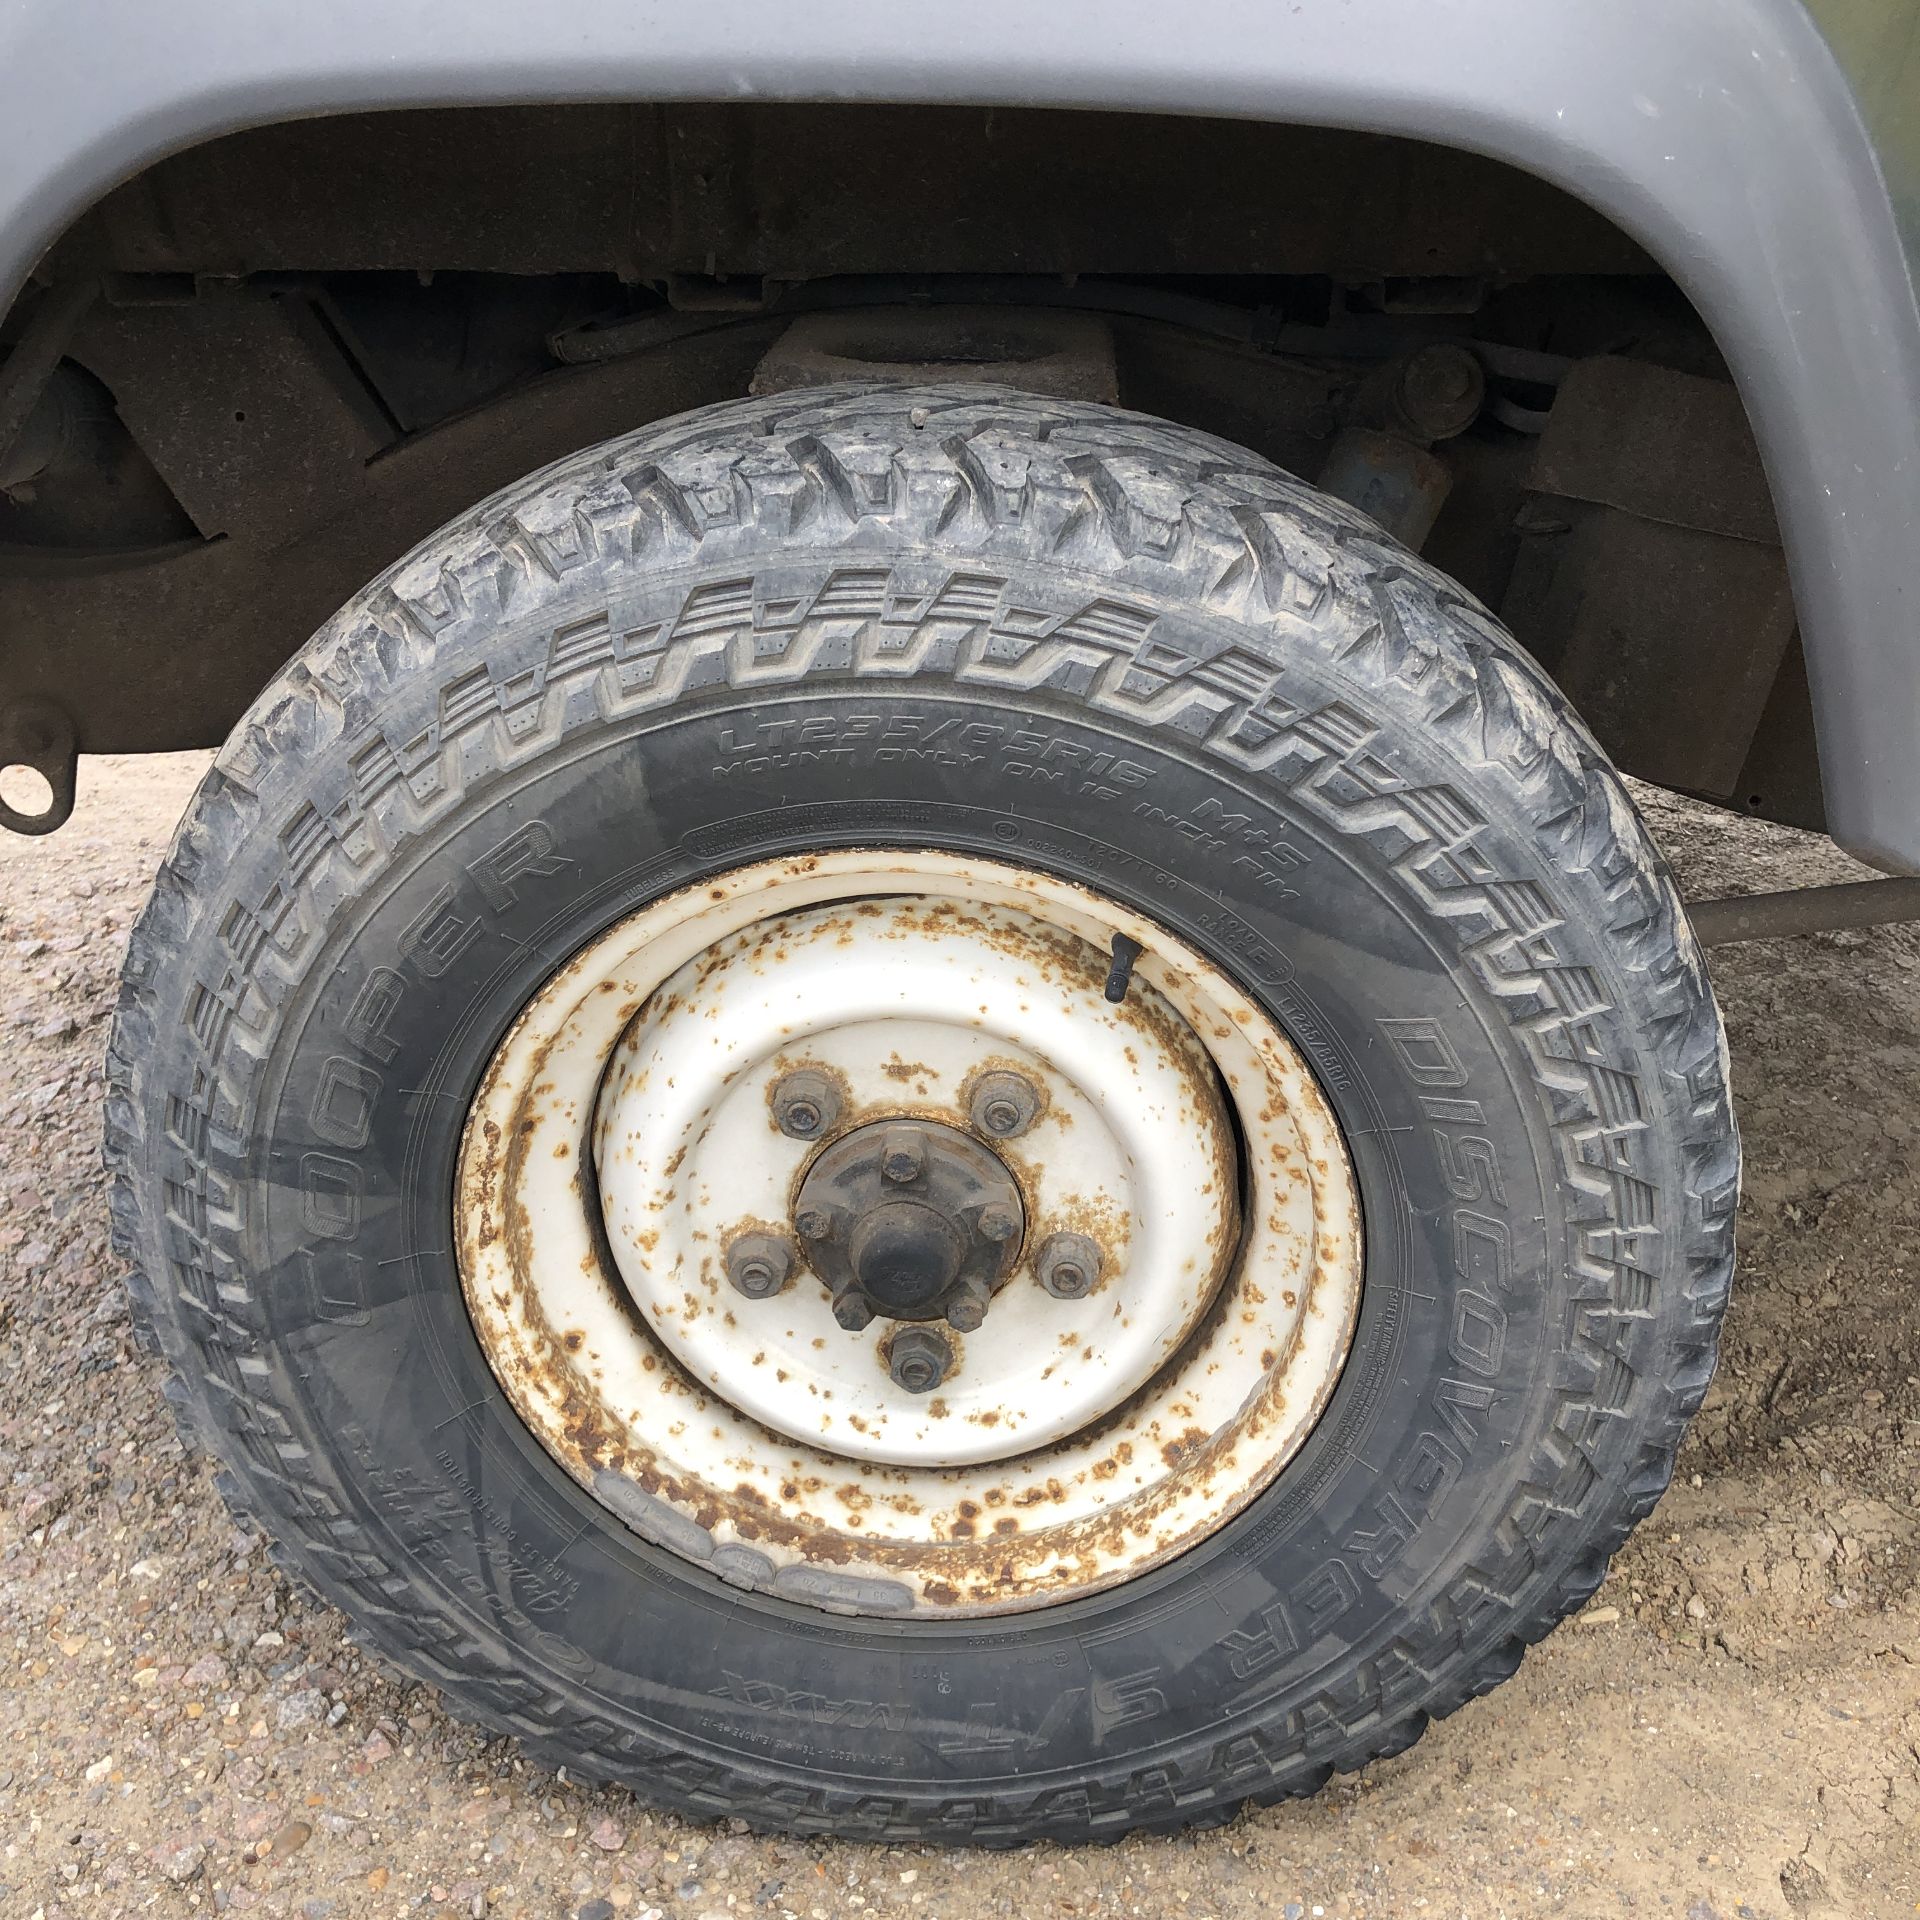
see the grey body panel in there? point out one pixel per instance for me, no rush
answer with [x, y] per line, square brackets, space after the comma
[1721, 134]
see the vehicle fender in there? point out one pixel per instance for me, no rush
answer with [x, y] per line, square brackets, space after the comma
[1723, 135]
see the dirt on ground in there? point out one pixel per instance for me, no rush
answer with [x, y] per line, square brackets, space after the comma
[1731, 1730]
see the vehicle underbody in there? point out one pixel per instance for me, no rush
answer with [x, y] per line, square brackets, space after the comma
[279, 359]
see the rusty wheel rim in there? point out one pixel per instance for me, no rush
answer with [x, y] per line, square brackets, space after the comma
[1137, 1237]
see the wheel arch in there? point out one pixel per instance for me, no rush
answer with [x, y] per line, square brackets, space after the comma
[1725, 139]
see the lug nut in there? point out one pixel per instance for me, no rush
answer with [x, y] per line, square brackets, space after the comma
[758, 1264]
[852, 1312]
[902, 1157]
[806, 1103]
[1003, 1105]
[1068, 1264]
[815, 1222]
[918, 1359]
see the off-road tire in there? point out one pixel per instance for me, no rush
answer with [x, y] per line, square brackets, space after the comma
[1060, 634]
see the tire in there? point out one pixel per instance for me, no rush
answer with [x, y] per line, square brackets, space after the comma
[1126, 653]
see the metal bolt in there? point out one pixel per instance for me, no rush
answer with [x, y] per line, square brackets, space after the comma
[918, 1359]
[806, 1103]
[1003, 1105]
[967, 1310]
[852, 1312]
[902, 1156]
[758, 1264]
[1068, 1264]
[815, 1222]
[998, 1223]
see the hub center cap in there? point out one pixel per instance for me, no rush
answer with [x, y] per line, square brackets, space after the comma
[910, 1220]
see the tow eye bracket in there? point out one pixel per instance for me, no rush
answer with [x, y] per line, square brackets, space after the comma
[39, 734]
[910, 1220]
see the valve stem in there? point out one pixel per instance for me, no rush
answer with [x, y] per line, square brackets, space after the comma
[1120, 974]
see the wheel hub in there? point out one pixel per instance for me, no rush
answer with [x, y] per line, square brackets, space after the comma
[910, 1220]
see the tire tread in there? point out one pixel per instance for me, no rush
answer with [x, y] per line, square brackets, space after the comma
[392, 676]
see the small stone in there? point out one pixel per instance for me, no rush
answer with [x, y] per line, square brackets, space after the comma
[377, 1880]
[208, 1671]
[306, 1707]
[1597, 1617]
[375, 1748]
[61, 1027]
[595, 1910]
[608, 1837]
[178, 1860]
[99, 1770]
[1696, 1608]
[288, 1839]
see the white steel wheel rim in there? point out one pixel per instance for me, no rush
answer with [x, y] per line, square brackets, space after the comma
[906, 1001]
[624, 1132]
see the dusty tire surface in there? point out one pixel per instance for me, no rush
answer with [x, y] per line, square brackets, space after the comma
[1131, 654]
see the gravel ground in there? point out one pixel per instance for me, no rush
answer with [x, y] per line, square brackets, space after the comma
[1732, 1729]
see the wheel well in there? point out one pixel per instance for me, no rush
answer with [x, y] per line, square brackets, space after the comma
[312, 342]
